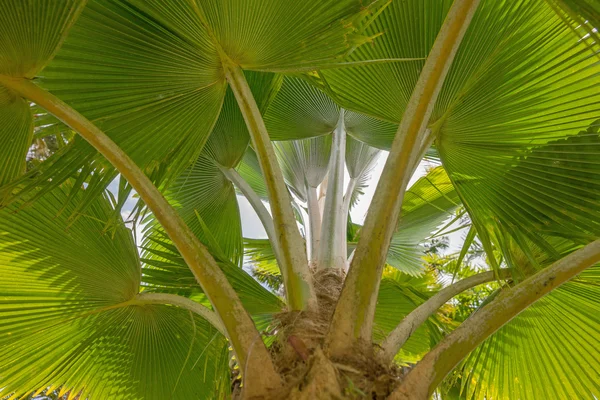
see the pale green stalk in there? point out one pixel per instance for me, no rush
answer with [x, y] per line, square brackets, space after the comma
[239, 326]
[409, 324]
[294, 263]
[183, 302]
[314, 220]
[257, 205]
[330, 255]
[322, 193]
[353, 318]
[345, 213]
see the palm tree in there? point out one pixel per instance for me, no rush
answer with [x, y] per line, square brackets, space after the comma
[185, 102]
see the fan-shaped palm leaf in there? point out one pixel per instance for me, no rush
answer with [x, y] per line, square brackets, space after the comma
[16, 134]
[399, 295]
[23, 53]
[70, 317]
[360, 160]
[521, 79]
[559, 333]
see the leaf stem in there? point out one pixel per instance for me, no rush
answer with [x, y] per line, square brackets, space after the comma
[345, 213]
[239, 326]
[294, 263]
[353, 318]
[330, 255]
[183, 302]
[401, 333]
[433, 368]
[314, 220]
[256, 203]
[348, 196]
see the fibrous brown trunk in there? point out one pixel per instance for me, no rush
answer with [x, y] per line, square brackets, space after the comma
[306, 367]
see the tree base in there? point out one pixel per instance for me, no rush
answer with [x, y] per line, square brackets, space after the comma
[303, 362]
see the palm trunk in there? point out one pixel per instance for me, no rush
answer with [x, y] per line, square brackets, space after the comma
[294, 267]
[353, 318]
[239, 326]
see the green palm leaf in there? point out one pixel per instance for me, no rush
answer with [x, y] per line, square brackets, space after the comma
[271, 35]
[16, 134]
[68, 319]
[427, 203]
[249, 170]
[399, 295]
[549, 351]
[165, 271]
[375, 132]
[203, 189]
[584, 16]
[383, 90]
[23, 53]
[229, 138]
[154, 93]
[301, 110]
[263, 263]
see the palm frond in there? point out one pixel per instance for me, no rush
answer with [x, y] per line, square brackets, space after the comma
[16, 134]
[304, 163]
[383, 90]
[68, 321]
[399, 295]
[427, 203]
[263, 263]
[559, 332]
[300, 111]
[156, 94]
[582, 15]
[372, 131]
[360, 160]
[229, 138]
[32, 33]
[249, 170]
[203, 190]
[290, 35]
[23, 53]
